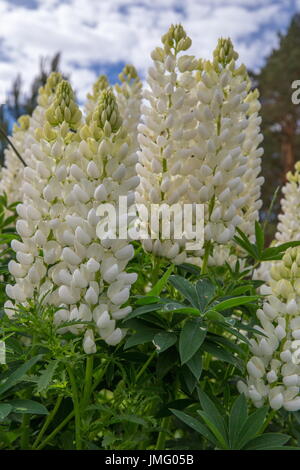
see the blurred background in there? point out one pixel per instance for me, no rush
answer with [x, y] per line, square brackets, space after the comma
[85, 38]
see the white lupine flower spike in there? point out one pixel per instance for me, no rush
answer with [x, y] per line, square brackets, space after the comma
[165, 134]
[60, 254]
[274, 369]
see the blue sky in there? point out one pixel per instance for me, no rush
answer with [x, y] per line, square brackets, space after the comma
[96, 36]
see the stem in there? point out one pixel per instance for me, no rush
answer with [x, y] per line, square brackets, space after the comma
[25, 432]
[97, 382]
[88, 381]
[268, 420]
[49, 419]
[142, 370]
[76, 408]
[205, 258]
[161, 440]
[56, 430]
[3, 133]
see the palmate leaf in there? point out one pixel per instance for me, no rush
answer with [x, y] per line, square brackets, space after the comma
[251, 427]
[257, 251]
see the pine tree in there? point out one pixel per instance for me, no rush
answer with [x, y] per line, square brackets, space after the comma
[280, 116]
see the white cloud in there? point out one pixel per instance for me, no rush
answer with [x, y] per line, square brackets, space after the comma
[90, 32]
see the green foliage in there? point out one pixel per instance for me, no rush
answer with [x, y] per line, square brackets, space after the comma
[186, 330]
[234, 430]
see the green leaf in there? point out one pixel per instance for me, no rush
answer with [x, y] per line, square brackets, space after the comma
[18, 374]
[214, 316]
[267, 441]
[205, 292]
[156, 290]
[238, 416]
[220, 353]
[243, 241]
[234, 302]
[28, 407]
[130, 419]
[176, 307]
[242, 289]
[179, 404]
[189, 379]
[190, 340]
[142, 310]
[214, 416]
[276, 252]
[234, 332]
[195, 364]
[5, 409]
[164, 340]
[214, 429]
[252, 426]
[145, 335]
[146, 300]
[185, 288]
[195, 425]
[46, 376]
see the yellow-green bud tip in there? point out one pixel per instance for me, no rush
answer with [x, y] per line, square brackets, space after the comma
[176, 38]
[128, 73]
[224, 52]
[64, 108]
[106, 115]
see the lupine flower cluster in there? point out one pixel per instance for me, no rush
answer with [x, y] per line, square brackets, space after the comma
[196, 141]
[274, 369]
[212, 156]
[74, 167]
